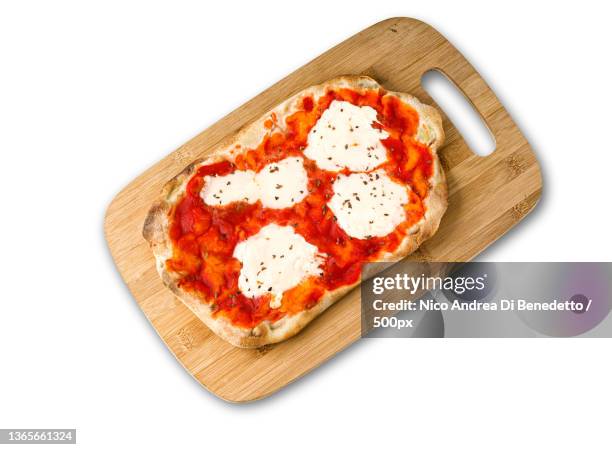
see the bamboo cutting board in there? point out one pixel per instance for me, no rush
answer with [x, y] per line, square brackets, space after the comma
[487, 196]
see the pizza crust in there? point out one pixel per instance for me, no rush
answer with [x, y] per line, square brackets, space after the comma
[156, 224]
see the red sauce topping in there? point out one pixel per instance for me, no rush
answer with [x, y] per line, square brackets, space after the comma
[204, 236]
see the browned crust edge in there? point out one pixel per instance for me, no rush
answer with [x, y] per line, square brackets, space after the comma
[155, 229]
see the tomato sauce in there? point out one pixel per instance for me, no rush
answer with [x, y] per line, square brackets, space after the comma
[204, 236]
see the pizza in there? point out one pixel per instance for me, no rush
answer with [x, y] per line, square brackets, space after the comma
[277, 222]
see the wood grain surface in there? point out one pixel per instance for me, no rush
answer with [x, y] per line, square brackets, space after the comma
[487, 196]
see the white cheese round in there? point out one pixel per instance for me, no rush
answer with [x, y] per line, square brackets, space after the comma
[235, 187]
[282, 184]
[343, 137]
[368, 204]
[277, 185]
[275, 260]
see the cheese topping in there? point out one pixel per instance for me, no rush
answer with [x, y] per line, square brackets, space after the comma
[235, 187]
[344, 138]
[277, 185]
[282, 184]
[368, 204]
[275, 260]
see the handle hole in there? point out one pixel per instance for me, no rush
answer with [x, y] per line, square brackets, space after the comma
[460, 111]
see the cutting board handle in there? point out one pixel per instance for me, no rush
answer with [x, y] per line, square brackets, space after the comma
[447, 60]
[461, 110]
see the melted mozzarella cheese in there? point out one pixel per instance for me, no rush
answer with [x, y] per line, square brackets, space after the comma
[282, 184]
[277, 185]
[368, 204]
[344, 138]
[235, 187]
[275, 260]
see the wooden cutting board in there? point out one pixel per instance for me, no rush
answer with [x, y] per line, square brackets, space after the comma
[487, 196]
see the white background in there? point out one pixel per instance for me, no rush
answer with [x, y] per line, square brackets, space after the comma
[92, 95]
